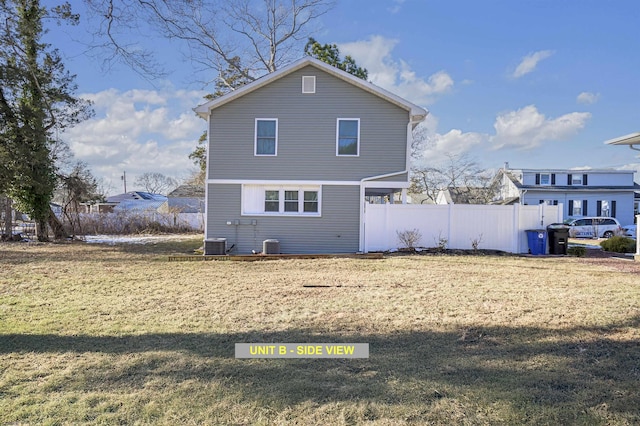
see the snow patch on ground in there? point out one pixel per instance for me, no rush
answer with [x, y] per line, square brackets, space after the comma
[135, 239]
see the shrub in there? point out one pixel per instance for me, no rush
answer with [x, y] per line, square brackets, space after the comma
[577, 251]
[619, 245]
[409, 238]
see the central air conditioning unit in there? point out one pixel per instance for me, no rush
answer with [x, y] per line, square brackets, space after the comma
[271, 247]
[215, 247]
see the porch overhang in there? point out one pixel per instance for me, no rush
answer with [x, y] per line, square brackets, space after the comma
[630, 140]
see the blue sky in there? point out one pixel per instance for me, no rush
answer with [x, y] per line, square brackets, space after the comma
[537, 83]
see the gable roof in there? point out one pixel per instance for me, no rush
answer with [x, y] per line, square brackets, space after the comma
[193, 191]
[417, 113]
[135, 195]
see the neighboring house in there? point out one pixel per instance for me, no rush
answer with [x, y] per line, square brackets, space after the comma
[465, 195]
[293, 155]
[184, 199]
[419, 199]
[582, 192]
[136, 201]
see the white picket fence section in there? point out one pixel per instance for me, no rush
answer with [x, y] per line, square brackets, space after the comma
[496, 227]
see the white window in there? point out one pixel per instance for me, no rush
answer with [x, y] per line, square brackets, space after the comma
[545, 179]
[281, 200]
[576, 180]
[291, 203]
[266, 140]
[348, 137]
[577, 208]
[311, 202]
[308, 84]
[271, 201]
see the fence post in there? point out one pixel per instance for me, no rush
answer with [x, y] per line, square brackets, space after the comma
[637, 255]
[516, 223]
[449, 220]
[387, 218]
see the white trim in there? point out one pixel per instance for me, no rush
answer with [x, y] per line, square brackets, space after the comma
[255, 138]
[258, 194]
[357, 154]
[206, 186]
[282, 182]
[312, 79]
[386, 184]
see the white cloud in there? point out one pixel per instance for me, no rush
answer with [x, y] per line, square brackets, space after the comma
[529, 62]
[588, 98]
[525, 128]
[454, 142]
[138, 131]
[438, 146]
[395, 75]
[528, 128]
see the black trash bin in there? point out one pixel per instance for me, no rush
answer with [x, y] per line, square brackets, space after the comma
[558, 238]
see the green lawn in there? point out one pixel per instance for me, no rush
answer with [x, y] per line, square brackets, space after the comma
[118, 334]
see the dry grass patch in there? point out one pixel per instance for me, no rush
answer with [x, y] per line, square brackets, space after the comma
[117, 334]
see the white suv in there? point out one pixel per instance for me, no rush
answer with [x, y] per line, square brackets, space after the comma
[594, 227]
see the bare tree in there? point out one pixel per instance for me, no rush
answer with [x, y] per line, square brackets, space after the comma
[458, 173]
[76, 186]
[264, 34]
[419, 141]
[156, 183]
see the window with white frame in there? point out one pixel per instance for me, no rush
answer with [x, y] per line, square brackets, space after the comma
[286, 200]
[311, 202]
[348, 137]
[545, 178]
[266, 140]
[271, 201]
[577, 208]
[291, 202]
[576, 179]
[308, 84]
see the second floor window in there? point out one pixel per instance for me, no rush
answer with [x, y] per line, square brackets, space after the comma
[266, 142]
[348, 137]
[545, 179]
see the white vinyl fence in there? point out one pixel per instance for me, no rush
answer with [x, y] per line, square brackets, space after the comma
[495, 227]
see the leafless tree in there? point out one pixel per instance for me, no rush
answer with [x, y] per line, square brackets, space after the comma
[156, 183]
[264, 34]
[458, 172]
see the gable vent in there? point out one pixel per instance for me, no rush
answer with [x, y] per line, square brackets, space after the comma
[308, 84]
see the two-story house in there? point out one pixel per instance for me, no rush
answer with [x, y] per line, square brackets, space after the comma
[292, 156]
[587, 192]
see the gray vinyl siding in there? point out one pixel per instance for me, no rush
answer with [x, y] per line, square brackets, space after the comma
[403, 177]
[337, 231]
[306, 147]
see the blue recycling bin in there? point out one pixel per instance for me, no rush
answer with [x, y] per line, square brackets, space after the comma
[537, 239]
